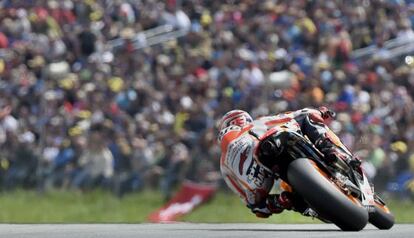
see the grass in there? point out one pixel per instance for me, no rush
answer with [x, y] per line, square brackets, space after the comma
[71, 207]
[102, 207]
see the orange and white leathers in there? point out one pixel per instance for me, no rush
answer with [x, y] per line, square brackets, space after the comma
[241, 169]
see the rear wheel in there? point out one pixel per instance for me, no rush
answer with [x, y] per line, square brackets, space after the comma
[382, 218]
[326, 198]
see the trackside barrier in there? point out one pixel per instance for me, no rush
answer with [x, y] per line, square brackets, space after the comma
[150, 37]
[392, 48]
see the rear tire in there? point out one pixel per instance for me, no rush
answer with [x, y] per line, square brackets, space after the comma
[382, 218]
[325, 198]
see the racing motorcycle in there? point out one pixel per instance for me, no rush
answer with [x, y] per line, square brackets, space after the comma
[338, 192]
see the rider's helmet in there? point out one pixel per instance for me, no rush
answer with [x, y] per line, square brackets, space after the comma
[235, 117]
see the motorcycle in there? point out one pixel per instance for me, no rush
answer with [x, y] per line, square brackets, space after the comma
[338, 192]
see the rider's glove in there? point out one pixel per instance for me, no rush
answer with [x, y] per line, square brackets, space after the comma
[326, 113]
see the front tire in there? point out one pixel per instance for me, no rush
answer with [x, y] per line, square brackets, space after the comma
[325, 197]
[382, 218]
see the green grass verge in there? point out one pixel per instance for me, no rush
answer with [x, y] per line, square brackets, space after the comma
[102, 207]
[72, 207]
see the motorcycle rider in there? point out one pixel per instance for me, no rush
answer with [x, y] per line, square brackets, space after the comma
[244, 145]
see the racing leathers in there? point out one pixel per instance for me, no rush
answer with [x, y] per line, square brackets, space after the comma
[247, 176]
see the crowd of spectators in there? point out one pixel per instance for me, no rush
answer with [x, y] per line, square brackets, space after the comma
[78, 113]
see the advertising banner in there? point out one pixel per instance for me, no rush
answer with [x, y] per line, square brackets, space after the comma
[185, 200]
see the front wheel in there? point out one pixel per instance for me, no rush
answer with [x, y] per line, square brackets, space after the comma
[326, 198]
[382, 218]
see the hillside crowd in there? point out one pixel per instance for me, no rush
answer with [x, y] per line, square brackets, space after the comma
[76, 112]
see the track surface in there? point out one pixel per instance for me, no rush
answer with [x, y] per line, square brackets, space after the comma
[187, 230]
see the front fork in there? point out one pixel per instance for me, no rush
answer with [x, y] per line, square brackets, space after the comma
[367, 195]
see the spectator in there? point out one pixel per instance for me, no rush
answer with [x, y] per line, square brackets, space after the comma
[68, 66]
[175, 168]
[95, 163]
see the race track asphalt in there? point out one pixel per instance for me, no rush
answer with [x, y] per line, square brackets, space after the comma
[187, 230]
